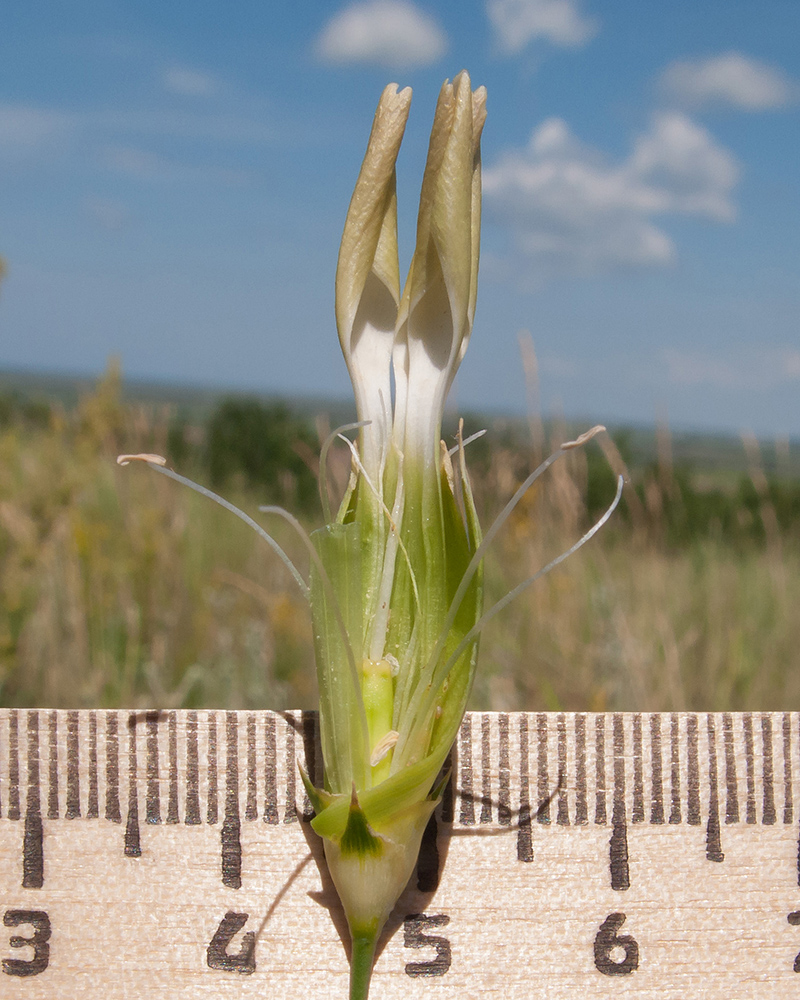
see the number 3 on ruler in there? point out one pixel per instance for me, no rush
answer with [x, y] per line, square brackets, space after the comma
[40, 922]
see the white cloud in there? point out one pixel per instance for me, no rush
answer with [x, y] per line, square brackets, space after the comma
[569, 209]
[560, 22]
[145, 165]
[748, 368]
[391, 33]
[23, 127]
[189, 82]
[729, 79]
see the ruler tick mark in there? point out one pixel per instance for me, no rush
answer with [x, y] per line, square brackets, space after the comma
[113, 812]
[172, 802]
[270, 772]
[747, 722]
[637, 814]
[32, 844]
[153, 800]
[600, 816]
[787, 768]
[52, 775]
[465, 776]
[524, 841]
[731, 783]
[581, 811]
[73, 767]
[693, 803]
[486, 770]
[657, 793]
[251, 809]
[212, 805]
[562, 817]
[133, 846]
[13, 764]
[192, 816]
[504, 769]
[675, 771]
[231, 826]
[290, 815]
[713, 844]
[92, 808]
[309, 751]
[542, 770]
[618, 846]
[768, 804]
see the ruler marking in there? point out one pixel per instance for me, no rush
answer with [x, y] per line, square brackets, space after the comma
[637, 813]
[713, 842]
[153, 797]
[656, 770]
[731, 781]
[290, 815]
[13, 765]
[93, 805]
[270, 771]
[788, 804]
[448, 797]
[251, 809]
[33, 841]
[486, 770]
[309, 751]
[504, 798]
[768, 804]
[172, 802]
[465, 777]
[52, 767]
[133, 844]
[192, 816]
[562, 817]
[524, 838]
[543, 778]
[212, 804]
[600, 816]
[73, 767]
[113, 812]
[675, 771]
[581, 809]
[618, 845]
[231, 825]
[693, 802]
[747, 723]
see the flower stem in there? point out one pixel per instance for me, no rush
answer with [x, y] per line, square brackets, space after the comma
[365, 942]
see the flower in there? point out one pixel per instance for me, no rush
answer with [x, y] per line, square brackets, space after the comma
[395, 587]
[395, 595]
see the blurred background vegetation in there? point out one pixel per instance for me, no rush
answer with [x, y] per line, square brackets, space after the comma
[120, 588]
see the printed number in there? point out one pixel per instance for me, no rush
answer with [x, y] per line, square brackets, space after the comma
[413, 927]
[40, 922]
[794, 920]
[217, 955]
[609, 942]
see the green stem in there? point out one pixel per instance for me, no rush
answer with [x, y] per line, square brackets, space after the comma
[363, 955]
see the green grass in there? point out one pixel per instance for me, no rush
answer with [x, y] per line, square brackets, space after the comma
[118, 587]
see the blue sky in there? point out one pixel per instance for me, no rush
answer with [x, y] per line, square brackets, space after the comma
[174, 179]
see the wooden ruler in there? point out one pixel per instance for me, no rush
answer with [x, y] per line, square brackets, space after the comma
[167, 855]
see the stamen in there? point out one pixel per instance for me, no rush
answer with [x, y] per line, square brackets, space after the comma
[382, 747]
[150, 459]
[583, 438]
[323, 464]
[474, 437]
[158, 464]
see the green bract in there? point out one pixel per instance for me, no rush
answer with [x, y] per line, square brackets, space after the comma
[396, 599]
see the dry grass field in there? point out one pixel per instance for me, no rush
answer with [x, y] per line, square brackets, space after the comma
[118, 587]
